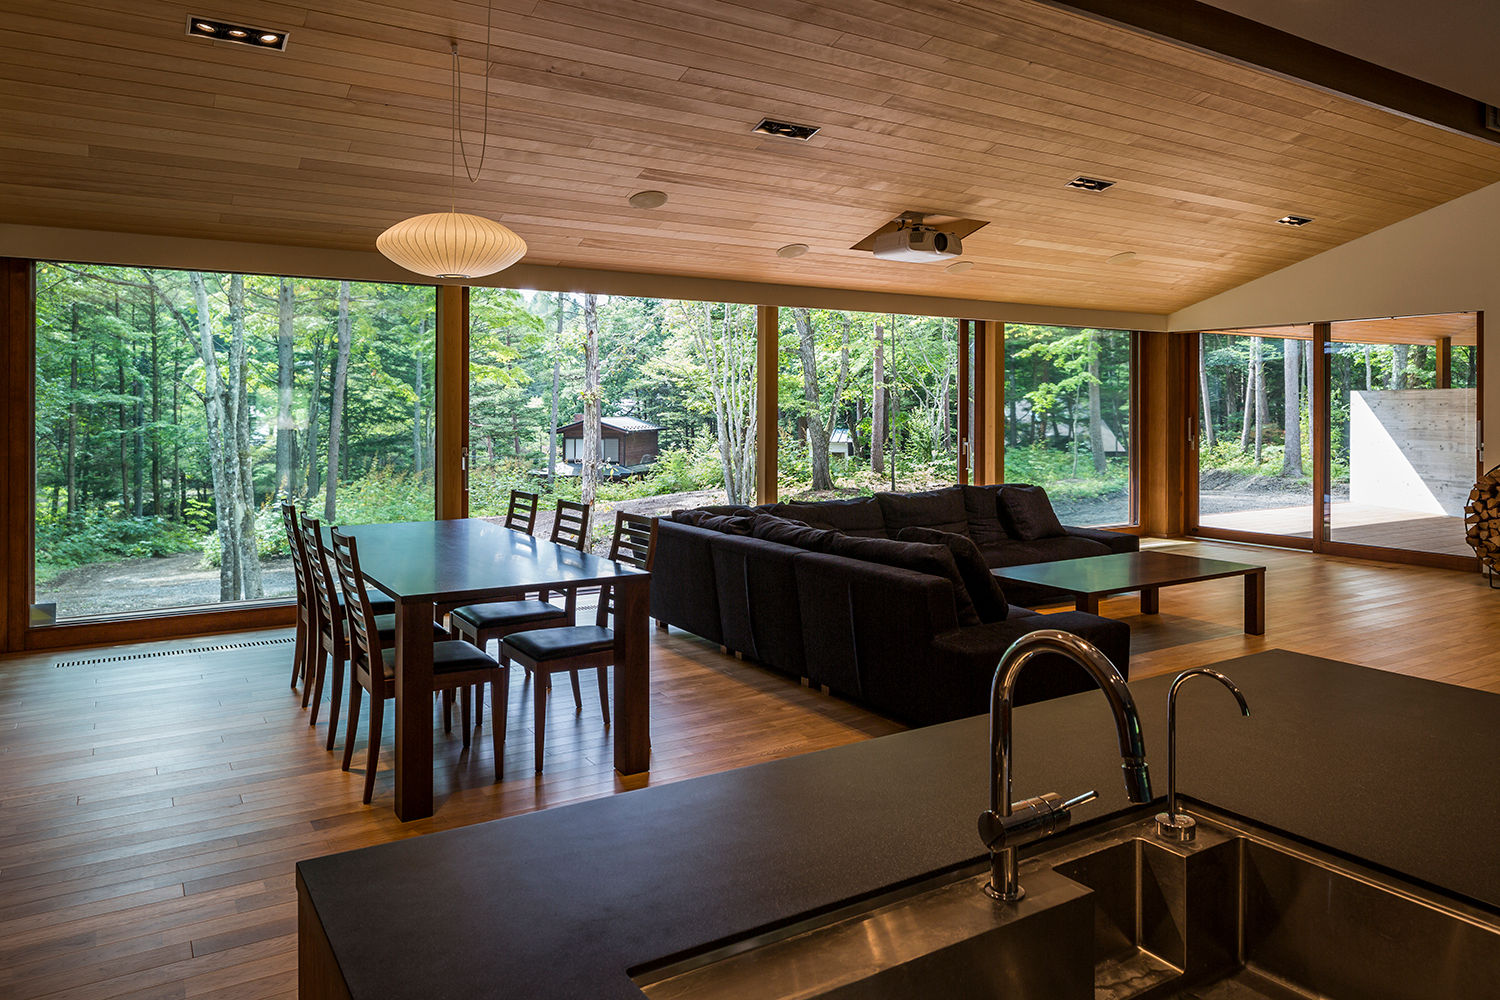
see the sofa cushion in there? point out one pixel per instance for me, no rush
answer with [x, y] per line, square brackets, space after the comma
[1043, 550]
[942, 509]
[860, 516]
[934, 560]
[981, 507]
[1115, 541]
[729, 524]
[1027, 514]
[984, 589]
[794, 533]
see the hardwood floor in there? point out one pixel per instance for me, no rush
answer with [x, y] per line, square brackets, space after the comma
[154, 798]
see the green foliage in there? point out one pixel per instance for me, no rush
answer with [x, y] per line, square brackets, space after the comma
[94, 536]
[1053, 468]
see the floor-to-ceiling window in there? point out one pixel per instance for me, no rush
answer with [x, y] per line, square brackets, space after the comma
[867, 402]
[675, 383]
[1402, 410]
[175, 408]
[1255, 460]
[1067, 418]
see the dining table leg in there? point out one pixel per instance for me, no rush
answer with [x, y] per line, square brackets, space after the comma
[632, 684]
[413, 709]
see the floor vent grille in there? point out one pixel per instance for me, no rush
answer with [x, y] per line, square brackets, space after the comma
[190, 651]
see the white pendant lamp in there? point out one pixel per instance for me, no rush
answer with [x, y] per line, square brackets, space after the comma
[454, 245]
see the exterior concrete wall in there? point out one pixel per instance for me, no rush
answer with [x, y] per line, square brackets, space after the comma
[1412, 449]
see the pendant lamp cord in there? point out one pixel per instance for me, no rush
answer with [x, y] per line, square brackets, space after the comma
[456, 141]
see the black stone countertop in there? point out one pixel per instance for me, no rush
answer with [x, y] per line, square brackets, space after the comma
[561, 903]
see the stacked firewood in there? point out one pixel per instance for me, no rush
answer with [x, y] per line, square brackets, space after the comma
[1482, 519]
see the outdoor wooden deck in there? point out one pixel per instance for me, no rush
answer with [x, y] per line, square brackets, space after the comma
[1357, 524]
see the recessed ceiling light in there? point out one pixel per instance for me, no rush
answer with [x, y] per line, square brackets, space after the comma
[1122, 258]
[960, 267]
[1293, 220]
[786, 130]
[793, 250]
[1090, 184]
[648, 199]
[241, 34]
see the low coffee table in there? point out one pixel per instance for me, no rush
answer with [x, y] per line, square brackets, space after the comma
[1093, 577]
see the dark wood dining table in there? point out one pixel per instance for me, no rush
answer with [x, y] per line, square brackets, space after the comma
[421, 564]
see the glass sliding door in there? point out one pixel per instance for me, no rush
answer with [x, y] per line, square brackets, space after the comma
[1255, 456]
[1402, 408]
[1067, 419]
[175, 409]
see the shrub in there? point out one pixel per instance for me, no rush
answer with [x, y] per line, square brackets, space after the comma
[95, 536]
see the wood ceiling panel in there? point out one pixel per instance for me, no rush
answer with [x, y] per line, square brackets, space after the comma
[980, 109]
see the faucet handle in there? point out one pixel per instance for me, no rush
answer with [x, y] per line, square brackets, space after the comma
[1030, 820]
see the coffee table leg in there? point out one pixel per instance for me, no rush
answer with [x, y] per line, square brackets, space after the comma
[1150, 600]
[1255, 603]
[1087, 602]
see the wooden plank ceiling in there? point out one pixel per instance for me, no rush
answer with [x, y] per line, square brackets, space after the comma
[115, 119]
[1460, 329]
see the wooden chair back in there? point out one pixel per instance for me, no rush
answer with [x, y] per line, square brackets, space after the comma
[522, 513]
[323, 585]
[572, 525]
[365, 652]
[299, 556]
[634, 543]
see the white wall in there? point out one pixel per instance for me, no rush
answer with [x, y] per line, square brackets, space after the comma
[1446, 259]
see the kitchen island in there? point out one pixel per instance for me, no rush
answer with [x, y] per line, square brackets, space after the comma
[568, 902]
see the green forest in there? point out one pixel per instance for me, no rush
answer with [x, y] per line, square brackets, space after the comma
[176, 408]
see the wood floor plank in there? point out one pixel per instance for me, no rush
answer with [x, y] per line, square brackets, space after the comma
[152, 810]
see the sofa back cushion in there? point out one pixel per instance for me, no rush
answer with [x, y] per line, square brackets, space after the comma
[729, 524]
[982, 506]
[984, 590]
[1027, 513]
[941, 509]
[934, 560]
[794, 533]
[860, 516]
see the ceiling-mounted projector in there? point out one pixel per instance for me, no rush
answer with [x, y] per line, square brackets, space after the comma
[917, 243]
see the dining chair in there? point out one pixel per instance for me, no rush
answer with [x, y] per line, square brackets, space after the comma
[521, 516]
[302, 651]
[456, 666]
[330, 644]
[571, 527]
[581, 647]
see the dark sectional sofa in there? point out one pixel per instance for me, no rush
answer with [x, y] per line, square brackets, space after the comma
[827, 591]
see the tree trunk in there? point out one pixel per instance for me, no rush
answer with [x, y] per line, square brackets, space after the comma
[1262, 407]
[1247, 423]
[1369, 370]
[728, 360]
[817, 433]
[122, 411]
[336, 406]
[1208, 410]
[1291, 462]
[418, 428]
[592, 445]
[214, 415]
[73, 413]
[556, 385]
[138, 464]
[310, 480]
[1096, 411]
[1399, 354]
[877, 403]
[155, 413]
[251, 583]
[285, 343]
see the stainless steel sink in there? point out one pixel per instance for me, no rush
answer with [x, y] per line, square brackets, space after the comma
[1115, 914]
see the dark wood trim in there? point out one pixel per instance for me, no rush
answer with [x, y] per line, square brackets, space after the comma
[1193, 410]
[1229, 36]
[177, 624]
[1165, 433]
[963, 402]
[1444, 363]
[1321, 433]
[17, 447]
[1254, 538]
[451, 398]
[977, 439]
[767, 359]
[992, 456]
[1406, 557]
[1479, 456]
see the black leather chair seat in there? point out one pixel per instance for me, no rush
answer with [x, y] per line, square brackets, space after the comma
[381, 604]
[545, 644]
[502, 613]
[450, 657]
[386, 626]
